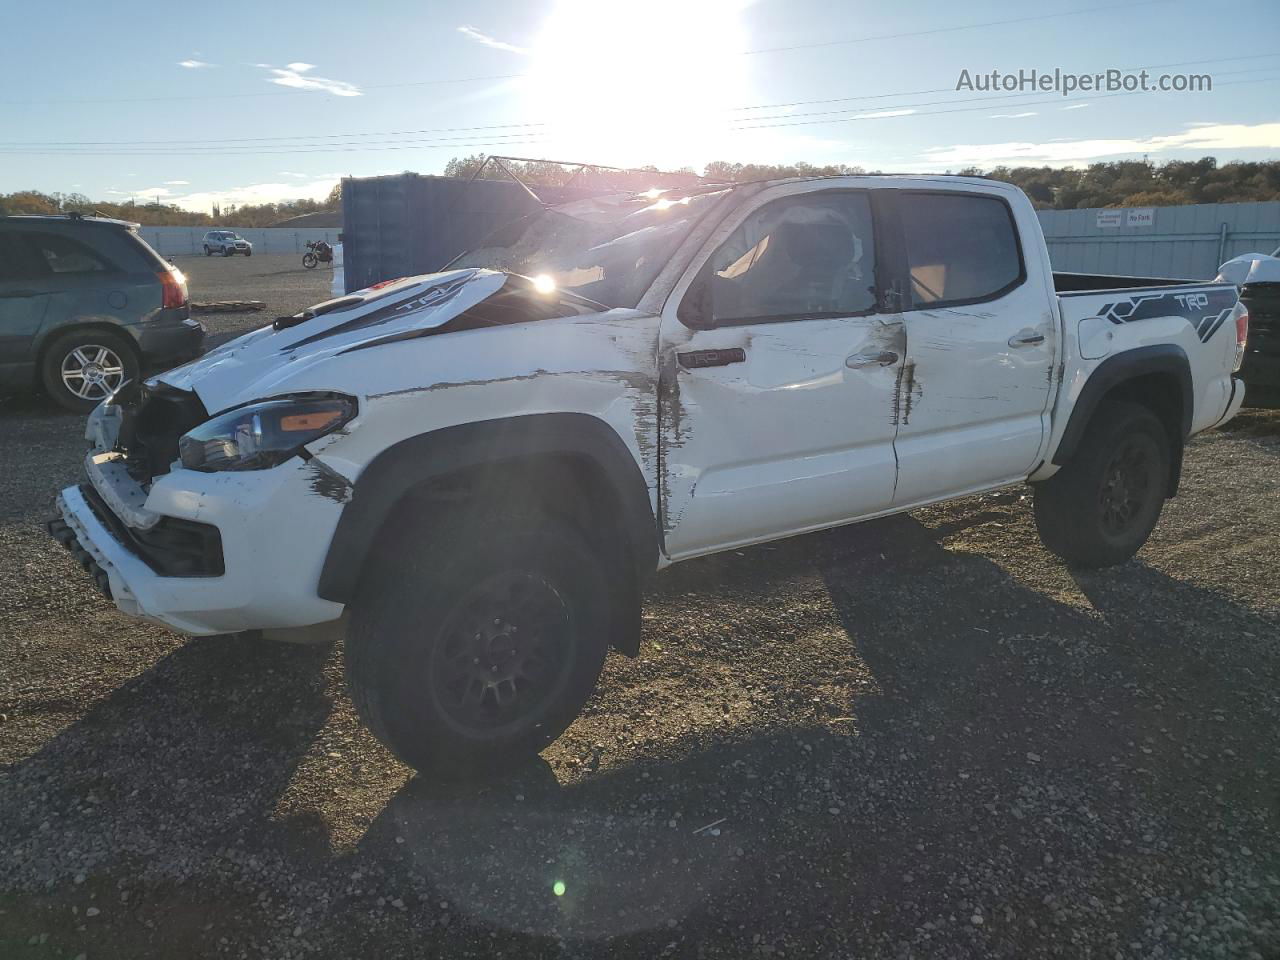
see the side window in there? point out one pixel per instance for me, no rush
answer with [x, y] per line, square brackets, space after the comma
[801, 257]
[18, 260]
[65, 255]
[960, 247]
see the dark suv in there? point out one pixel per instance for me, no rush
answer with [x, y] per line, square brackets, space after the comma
[85, 304]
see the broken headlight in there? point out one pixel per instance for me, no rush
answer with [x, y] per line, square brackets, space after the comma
[263, 434]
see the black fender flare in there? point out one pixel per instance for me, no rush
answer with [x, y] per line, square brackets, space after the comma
[405, 465]
[1163, 358]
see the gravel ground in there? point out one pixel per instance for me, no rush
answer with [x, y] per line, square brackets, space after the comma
[919, 737]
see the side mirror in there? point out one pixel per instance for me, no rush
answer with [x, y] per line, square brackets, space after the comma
[696, 308]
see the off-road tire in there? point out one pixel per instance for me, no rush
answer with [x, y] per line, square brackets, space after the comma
[417, 603]
[227, 251]
[57, 353]
[1076, 509]
[309, 260]
[207, 251]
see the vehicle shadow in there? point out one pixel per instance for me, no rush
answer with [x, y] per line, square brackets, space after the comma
[179, 766]
[1002, 725]
[999, 725]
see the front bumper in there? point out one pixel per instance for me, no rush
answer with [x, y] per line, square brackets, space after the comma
[274, 533]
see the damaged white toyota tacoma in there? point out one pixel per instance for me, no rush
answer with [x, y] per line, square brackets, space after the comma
[471, 474]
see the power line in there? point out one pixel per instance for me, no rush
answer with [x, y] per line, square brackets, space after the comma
[537, 127]
[436, 144]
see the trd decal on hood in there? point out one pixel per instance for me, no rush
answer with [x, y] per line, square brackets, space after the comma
[1205, 310]
[393, 309]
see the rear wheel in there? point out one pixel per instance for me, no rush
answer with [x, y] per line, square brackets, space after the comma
[1101, 507]
[81, 369]
[479, 641]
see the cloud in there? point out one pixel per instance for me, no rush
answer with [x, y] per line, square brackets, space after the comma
[177, 183]
[1014, 116]
[1202, 139]
[298, 75]
[202, 201]
[488, 41]
[1077, 106]
[193, 64]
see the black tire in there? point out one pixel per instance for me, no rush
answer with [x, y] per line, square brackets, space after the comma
[227, 251]
[309, 260]
[453, 606]
[248, 253]
[1100, 508]
[61, 357]
[207, 251]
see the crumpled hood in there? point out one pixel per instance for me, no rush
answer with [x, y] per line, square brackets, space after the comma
[268, 362]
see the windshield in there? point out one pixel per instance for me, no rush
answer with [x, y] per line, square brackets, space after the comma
[607, 249]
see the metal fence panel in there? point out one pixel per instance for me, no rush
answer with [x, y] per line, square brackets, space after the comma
[1181, 242]
[179, 241]
[407, 224]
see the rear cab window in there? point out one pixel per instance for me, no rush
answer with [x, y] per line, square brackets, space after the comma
[960, 248]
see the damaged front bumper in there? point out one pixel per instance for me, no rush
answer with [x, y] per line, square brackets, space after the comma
[203, 553]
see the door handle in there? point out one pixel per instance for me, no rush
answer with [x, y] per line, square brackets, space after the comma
[885, 358]
[1027, 338]
[695, 359]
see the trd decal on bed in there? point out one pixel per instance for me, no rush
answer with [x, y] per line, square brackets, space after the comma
[1205, 310]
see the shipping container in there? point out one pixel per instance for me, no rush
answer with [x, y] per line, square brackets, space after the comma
[407, 224]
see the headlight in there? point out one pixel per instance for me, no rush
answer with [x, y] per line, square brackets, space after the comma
[262, 435]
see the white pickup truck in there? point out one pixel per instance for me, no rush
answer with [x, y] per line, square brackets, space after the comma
[472, 473]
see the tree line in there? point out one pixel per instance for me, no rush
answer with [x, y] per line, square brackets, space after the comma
[164, 214]
[1118, 183]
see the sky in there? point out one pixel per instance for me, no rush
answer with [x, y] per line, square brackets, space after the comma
[245, 102]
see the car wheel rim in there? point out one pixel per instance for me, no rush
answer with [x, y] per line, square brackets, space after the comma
[503, 653]
[1127, 487]
[92, 371]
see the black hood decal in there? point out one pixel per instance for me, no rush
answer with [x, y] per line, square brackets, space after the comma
[393, 309]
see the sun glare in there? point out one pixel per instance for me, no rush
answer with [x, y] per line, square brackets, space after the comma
[624, 83]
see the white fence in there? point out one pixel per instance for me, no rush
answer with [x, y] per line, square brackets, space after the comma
[176, 241]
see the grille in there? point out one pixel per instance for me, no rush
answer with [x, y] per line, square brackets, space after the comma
[172, 548]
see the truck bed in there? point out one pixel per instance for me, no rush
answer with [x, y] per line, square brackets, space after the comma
[1079, 282]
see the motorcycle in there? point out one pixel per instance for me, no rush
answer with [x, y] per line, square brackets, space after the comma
[317, 252]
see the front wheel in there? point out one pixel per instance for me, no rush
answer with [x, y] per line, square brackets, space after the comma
[207, 251]
[1101, 507]
[480, 642]
[82, 369]
[309, 260]
[248, 253]
[227, 251]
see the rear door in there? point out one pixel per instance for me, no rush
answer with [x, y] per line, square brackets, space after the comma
[24, 299]
[981, 340]
[778, 375]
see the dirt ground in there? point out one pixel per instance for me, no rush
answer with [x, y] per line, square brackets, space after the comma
[919, 737]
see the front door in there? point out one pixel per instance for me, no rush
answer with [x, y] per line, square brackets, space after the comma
[981, 339]
[779, 371]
